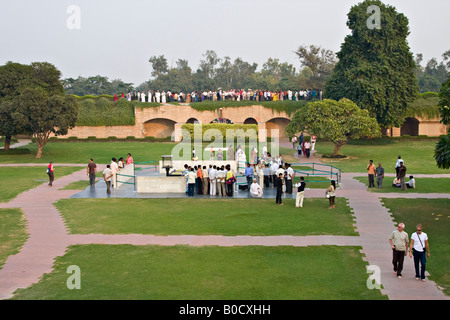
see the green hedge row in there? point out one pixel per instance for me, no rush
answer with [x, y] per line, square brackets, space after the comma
[109, 139]
[104, 112]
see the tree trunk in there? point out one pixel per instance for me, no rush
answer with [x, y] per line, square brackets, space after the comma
[337, 147]
[7, 142]
[39, 151]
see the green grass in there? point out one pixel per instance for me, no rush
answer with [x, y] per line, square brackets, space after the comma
[12, 233]
[115, 272]
[101, 152]
[434, 215]
[423, 185]
[205, 216]
[16, 180]
[418, 156]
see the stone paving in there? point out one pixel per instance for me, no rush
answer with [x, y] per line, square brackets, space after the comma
[49, 237]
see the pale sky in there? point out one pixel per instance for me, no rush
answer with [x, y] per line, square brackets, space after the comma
[117, 38]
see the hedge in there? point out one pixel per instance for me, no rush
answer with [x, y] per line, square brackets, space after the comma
[240, 131]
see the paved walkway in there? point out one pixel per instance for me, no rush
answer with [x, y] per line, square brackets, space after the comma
[49, 238]
[19, 143]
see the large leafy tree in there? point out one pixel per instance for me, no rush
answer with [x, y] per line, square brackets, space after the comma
[13, 77]
[43, 114]
[442, 150]
[336, 121]
[376, 68]
[32, 100]
[319, 61]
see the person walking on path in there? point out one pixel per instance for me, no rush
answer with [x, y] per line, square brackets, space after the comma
[420, 249]
[107, 174]
[91, 172]
[279, 186]
[371, 173]
[300, 193]
[51, 173]
[399, 245]
[401, 175]
[379, 172]
[331, 194]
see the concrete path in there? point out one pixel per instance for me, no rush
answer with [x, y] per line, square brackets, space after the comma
[19, 143]
[49, 238]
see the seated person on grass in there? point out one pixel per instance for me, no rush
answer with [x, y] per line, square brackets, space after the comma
[396, 183]
[411, 183]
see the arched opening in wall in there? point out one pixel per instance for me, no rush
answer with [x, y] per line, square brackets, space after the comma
[279, 124]
[250, 121]
[410, 127]
[192, 120]
[159, 128]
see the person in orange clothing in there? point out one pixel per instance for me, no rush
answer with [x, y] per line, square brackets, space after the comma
[371, 172]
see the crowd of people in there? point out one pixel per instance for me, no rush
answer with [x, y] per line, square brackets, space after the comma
[220, 95]
[400, 175]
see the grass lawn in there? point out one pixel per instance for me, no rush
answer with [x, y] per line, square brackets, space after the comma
[423, 185]
[434, 215]
[12, 233]
[205, 217]
[418, 156]
[113, 272]
[16, 180]
[101, 152]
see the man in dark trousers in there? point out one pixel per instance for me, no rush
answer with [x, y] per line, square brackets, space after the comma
[279, 186]
[92, 172]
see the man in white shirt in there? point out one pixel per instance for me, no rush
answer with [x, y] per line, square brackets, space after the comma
[411, 183]
[114, 169]
[107, 174]
[191, 182]
[212, 181]
[220, 182]
[289, 178]
[420, 249]
[255, 189]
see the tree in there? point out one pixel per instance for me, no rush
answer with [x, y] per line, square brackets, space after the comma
[159, 65]
[319, 61]
[376, 69]
[13, 77]
[43, 114]
[442, 149]
[336, 121]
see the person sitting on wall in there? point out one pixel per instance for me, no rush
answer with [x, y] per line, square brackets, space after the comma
[396, 183]
[411, 183]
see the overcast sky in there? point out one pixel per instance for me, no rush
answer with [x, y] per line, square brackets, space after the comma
[116, 38]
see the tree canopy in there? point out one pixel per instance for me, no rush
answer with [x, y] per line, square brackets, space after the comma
[336, 121]
[376, 69]
[32, 100]
[442, 150]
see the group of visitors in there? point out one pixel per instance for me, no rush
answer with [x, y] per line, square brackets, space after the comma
[214, 180]
[110, 171]
[221, 95]
[303, 145]
[400, 174]
[418, 248]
